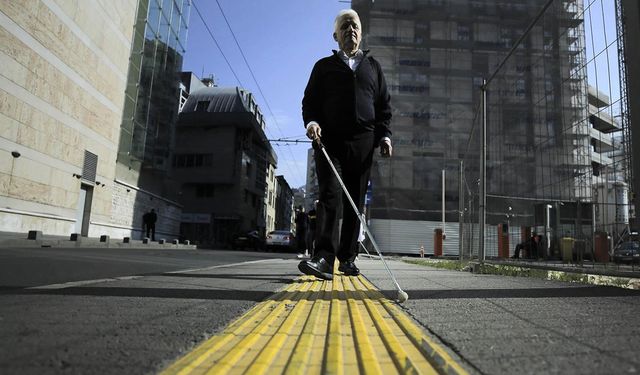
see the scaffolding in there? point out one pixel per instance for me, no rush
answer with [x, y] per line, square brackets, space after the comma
[545, 154]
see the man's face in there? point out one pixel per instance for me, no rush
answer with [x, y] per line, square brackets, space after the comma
[349, 33]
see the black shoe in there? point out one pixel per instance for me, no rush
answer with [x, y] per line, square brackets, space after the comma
[349, 268]
[317, 267]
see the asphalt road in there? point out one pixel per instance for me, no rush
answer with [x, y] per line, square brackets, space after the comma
[28, 267]
[112, 311]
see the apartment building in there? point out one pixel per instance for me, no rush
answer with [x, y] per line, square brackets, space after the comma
[223, 166]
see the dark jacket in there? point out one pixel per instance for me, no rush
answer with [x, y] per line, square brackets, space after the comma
[345, 102]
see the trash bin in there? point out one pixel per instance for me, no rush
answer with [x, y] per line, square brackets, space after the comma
[601, 247]
[566, 248]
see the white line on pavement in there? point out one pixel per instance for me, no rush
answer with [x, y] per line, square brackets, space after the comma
[72, 284]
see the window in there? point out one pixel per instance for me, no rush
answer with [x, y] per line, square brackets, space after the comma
[192, 160]
[464, 32]
[520, 87]
[207, 160]
[204, 191]
[202, 106]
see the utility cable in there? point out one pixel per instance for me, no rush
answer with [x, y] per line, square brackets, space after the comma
[216, 43]
[255, 80]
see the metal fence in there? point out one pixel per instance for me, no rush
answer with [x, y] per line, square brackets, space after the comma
[546, 151]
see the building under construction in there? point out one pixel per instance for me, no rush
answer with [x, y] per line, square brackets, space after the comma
[540, 147]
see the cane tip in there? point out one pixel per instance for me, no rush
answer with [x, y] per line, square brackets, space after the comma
[402, 296]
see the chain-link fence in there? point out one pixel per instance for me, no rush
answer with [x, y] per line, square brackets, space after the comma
[555, 165]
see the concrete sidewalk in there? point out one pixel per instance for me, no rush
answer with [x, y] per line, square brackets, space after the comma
[605, 274]
[520, 325]
[487, 324]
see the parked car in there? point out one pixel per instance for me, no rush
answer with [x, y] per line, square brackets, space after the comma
[249, 240]
[282, 239]
[627, 252]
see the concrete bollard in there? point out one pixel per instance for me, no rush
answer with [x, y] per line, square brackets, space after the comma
[104, 238]
[75, 237]
[176, 242]
[126, 240]
[186, 242]
[34, 235]
[145, 240]
[162, 241]
[438, 237]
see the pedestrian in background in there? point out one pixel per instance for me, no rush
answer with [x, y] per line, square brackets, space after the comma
[149, 224]
[346, 104]
[301, 229]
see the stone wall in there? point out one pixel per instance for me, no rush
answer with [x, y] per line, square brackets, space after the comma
[62, 82]
[130, 203]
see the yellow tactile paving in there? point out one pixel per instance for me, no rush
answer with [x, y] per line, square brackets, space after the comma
[344, 326]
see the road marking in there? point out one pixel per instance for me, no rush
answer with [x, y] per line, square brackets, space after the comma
[344, 326]
[73, 284]
[220, 266]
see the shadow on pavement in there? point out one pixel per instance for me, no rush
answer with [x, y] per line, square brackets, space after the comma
[244, 276]
[207, 294]
[578, 292]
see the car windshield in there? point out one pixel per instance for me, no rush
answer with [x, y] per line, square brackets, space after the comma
[279, 232]
[630, 246]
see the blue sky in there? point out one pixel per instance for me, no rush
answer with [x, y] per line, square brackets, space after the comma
[601, 49]
[281, 40]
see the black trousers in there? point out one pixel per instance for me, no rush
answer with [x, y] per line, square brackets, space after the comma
[352, 158]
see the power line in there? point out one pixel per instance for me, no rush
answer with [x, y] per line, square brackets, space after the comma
[256, 82]
[284, 140]
[217, 45]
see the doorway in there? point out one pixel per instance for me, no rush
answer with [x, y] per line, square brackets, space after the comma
[83, 213]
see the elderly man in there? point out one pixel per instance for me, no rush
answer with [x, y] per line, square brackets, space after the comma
[346, 106]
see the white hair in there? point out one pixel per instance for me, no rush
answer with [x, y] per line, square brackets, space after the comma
[342, 13]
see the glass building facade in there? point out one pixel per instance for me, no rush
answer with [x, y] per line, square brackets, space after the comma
[152, 92]
[435, 55]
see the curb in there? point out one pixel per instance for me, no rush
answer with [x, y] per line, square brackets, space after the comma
[539, 271]
[112, 244]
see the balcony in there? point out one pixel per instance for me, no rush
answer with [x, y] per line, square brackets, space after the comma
[598, 98]
[573, 160]
[602, 142]
[601, 159]
[602, 121]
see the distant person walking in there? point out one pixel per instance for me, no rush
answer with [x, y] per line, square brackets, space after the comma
[149, 224]
[301, 229]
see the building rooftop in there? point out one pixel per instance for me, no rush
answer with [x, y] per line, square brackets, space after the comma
[223, 100]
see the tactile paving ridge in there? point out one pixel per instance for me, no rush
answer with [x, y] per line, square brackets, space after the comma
[344, 326]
